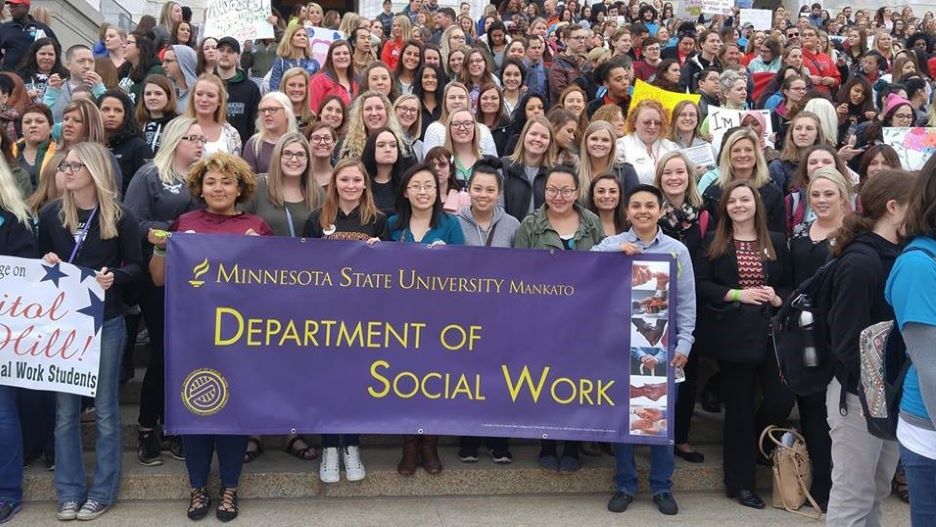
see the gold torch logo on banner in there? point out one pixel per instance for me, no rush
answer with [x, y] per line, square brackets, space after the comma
[197, 272]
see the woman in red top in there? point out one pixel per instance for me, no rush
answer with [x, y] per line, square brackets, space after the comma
[400, 32]
[220, 181]
[336, 76]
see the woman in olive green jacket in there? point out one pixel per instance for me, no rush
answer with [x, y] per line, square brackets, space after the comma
[560, 224]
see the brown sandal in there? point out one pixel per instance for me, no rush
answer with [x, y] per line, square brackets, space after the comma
[301, 453]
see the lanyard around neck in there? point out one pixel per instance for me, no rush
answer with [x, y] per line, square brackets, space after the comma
[82, 235]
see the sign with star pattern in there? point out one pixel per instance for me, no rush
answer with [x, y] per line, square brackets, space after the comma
[50, 326]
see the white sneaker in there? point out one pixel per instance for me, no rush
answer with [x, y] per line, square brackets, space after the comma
[329, 472]
[354, 469]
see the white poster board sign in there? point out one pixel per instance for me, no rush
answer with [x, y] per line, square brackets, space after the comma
[758, 18]
[241, 19]
[50, 326]
[722, 119]
[320, 38]
[718, 7]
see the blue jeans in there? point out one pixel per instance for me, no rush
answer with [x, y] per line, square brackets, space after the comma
[662, 464]
[70, 480]
[921, 482]
[11, 448]
[335, 440]
[199, 449]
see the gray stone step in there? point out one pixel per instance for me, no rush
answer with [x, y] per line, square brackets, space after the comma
[706, 428]
[278, 475]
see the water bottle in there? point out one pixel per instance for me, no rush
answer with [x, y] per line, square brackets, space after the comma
[810, 356]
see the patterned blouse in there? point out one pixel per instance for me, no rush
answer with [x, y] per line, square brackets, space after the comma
[750, 264]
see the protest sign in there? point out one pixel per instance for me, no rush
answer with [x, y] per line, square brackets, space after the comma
[689, 9]
[668, 99]
[721, 119]
[280, 335]
[241, 19]
[914, 146]
[320, 38]
[50, 326]
[701, 156]
[758, 18]
[718, 7]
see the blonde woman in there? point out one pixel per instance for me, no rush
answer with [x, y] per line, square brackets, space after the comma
[409, 113]
[16, 239]
[208, 104]
[108, 241]
[295, 84]
[535, 154]
[156, 197]
[456, 97]
[275, 118]
[598, 153]
[400, 31]
[294, 51]
[170, 15]
[462, 139]
[315, 16]
[742, 159]
[370, 112]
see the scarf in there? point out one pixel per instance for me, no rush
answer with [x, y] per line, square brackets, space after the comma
[675, 222]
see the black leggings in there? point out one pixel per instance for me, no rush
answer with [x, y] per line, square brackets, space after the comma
[152, 394]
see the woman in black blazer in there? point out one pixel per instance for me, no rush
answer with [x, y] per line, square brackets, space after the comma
[742, 272]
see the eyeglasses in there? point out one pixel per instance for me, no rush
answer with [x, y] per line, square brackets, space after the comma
[462, 125]
[197, 139]
[271, 110]
[70, 168]
[421, 188]
[320, 139]
[299, 156]
[407, 109]
[790, 35]
[566, 192]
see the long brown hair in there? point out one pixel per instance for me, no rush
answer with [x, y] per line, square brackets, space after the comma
[724, 231]
[367, 209]
[875, 193]
[921, 215]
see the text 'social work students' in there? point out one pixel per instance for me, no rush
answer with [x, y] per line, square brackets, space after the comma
[220, 181]
[349, 213]
[909, 289]
[742, 270]
[484, 224]
[420, 218]
[89, 228]
[644, 212]
[867, 246]
[157, 196]
[16, 239]
[560, 224]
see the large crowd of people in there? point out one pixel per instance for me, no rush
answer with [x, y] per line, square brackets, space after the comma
[513, 127]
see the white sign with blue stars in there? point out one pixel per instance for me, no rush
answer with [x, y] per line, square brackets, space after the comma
[50, 326]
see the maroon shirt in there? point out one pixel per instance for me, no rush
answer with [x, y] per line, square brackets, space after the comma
[204, 222]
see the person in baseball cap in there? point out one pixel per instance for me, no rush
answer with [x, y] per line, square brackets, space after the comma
[19, 33]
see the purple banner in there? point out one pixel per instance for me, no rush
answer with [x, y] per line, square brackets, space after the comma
[279, 335]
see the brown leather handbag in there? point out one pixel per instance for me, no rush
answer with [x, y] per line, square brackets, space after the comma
[792, 472]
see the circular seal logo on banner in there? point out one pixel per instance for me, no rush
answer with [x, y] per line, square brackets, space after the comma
[205, 391]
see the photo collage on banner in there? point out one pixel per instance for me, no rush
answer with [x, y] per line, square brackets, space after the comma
[649, 344]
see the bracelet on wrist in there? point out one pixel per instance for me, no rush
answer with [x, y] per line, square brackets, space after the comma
[159, 252]
[735, 295]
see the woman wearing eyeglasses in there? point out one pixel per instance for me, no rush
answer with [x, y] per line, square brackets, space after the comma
[156, 197]
[560, 223]
[275, 118]
[89, 227]
[419, 218]
[409, 114]
[462, 139]
[645, 142]
[322, 138]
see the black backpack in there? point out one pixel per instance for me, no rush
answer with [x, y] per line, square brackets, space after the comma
[811, 299]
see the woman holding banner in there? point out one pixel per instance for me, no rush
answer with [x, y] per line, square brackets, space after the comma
[221, 181]
[420, 218]
[156, 197]
[16, 239]
[108, 242]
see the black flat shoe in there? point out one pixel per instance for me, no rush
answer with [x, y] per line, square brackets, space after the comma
[620, 501]
[747, 498]
[711, 402]
[692, 457]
